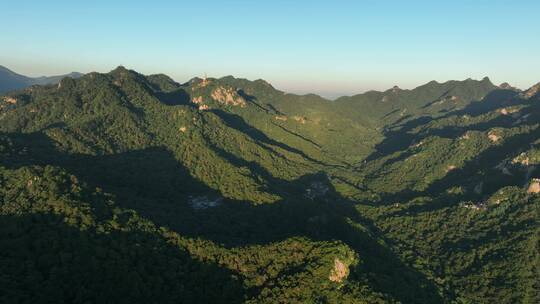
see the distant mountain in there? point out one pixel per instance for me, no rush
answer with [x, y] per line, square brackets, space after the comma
[10, 80]
[397, 105]
[123, 187]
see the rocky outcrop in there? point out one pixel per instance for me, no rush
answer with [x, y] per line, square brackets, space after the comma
[507, 111]
[204, 82]
[446, 99]
[197, 100]
[465, 136]
[300, 119]
[200, 83]
[494, 137]
[228, 96]
[534, 186]
[416, 145]
[522, 159]
[339, 272]
[10, 100]
[452, 98]
[533, 91]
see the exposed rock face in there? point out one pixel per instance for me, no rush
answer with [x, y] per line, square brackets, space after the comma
[452, 98]
[450, 168]
[534, 90]
[402, 113]
[197, 100]
[204, 82]
[416, 145]
[10, 100]
[282, 118]
[203, 107]
[339, 272]
[183, 129]
[534, 186]
[300, 119]
[506, 111]
[228, 96]
[201, 83]
[521, 159]
[494, 137]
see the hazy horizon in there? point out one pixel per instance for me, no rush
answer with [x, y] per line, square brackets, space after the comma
[328, 95]
[302, 47]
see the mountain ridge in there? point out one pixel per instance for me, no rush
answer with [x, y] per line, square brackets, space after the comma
[251, 195]
[10, 80]
[42, 80]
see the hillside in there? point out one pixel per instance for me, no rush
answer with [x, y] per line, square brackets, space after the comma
[131, 188]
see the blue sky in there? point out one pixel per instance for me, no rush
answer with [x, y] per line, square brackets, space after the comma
[326, 47]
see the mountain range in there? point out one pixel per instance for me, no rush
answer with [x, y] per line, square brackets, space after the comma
[123, 187]
[10, 80]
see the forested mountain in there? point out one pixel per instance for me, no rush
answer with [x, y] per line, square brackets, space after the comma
[126, 188]
[10, 80]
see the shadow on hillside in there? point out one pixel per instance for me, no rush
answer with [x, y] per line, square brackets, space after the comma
[158, 187]
[173, 98]
[49, 261]
[301, 137]
[479, 170]
[238, 123]
[400, 137]
[450, 132]
[253, 100]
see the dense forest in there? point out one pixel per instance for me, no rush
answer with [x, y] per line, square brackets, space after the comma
[126, 188]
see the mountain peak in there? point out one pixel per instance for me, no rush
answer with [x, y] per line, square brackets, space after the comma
[125, 73]
[120, 69]
[507, 86]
